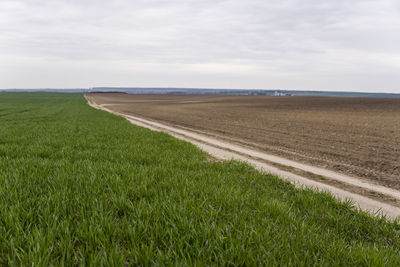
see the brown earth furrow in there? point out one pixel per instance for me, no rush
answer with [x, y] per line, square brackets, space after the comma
[356, 136]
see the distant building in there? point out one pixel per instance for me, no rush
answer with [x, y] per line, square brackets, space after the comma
[279, 93]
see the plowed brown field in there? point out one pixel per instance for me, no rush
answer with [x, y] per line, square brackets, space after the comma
[356, 136]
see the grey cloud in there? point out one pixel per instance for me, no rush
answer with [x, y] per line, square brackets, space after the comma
[304, 44]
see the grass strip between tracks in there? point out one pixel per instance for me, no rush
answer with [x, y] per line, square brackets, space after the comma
[81, 186]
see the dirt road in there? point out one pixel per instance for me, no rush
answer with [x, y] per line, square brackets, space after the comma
[365, 194]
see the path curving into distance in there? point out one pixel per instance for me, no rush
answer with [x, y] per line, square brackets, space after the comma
[349, 189]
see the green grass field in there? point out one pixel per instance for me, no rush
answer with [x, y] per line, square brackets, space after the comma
[80, 186]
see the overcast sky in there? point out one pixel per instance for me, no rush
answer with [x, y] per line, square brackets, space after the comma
[348, 45]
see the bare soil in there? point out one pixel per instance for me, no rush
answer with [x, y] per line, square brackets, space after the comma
[355, 136]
